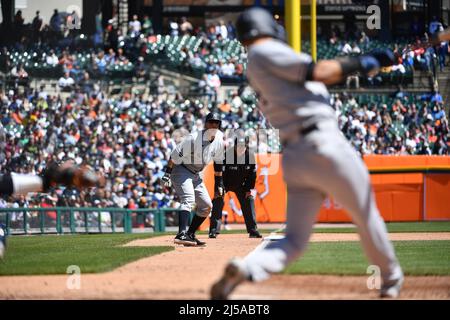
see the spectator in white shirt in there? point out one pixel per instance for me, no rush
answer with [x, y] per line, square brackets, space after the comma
[356, 49]
[213, 80]
[174, 28]
[212, 85]
[223, 31]
[135, 26]
[19, 72]
[42, 93]
[399, 67]
[196, 61]
[66, 81]
[52, 59]
[347, 48]
[227, 69]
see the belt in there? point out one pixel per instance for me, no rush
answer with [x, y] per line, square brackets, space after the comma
[191, 171]
[302, 132]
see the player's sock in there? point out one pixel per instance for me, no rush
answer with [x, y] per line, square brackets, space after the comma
[196, 223]
[183, 220]
[24, 183]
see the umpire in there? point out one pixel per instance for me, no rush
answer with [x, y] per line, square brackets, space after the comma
[239, 176]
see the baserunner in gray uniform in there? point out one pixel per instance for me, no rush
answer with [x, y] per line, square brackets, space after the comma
[184, 170]
[317, 160]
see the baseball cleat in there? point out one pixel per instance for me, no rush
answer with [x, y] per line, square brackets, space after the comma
[212, 234]
[198, 243]
[2, 241]
[184, 239]
[254, 234]
[234, 274]
[391, 289]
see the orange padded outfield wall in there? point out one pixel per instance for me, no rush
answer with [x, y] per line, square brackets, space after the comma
[407, 188]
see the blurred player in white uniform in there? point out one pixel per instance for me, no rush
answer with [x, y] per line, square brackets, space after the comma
[317, 159]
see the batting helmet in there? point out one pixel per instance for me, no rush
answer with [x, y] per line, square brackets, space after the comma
[213, 116]
[257, 22]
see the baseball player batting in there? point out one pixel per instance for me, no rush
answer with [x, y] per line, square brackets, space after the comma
[186, 163]
[317, 158]
[67, 174]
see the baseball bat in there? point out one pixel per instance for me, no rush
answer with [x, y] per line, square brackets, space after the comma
[441, 36]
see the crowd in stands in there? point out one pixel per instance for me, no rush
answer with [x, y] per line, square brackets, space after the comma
[212, 54]
[398, 125]
[114, 51]
[128, 139]
[411, 54]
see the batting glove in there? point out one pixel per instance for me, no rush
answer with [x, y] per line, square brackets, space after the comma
[166, 181]
[71, 175]
[219, 188]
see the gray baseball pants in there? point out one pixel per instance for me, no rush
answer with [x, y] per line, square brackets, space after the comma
[191, 190]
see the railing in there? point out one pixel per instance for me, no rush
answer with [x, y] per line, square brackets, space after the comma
[62, 220]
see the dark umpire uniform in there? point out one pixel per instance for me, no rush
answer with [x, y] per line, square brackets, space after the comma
[239, 176]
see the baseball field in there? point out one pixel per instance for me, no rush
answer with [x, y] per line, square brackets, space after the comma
[149, 266]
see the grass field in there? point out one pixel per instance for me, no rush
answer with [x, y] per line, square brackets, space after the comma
[53, 254]
[393, 227]
[347, 258]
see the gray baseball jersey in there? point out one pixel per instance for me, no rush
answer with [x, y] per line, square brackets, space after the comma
[319, 163]
[195, 151]
[277, 74]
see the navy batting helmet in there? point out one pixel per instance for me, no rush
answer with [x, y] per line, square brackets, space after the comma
[257, 22]
[213, 116]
